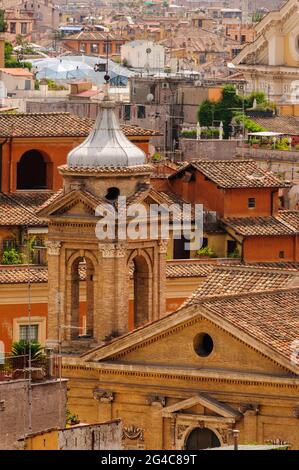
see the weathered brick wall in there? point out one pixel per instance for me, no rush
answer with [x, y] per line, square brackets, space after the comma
[208, 149]
[47, 410]
[105, 436]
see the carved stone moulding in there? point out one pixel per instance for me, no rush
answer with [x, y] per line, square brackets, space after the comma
[104, 396]
[155, 399]
[112, 250]
[53, 247]
[133, 433]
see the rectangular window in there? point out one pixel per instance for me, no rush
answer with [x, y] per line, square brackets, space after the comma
[243, 38]
[141, 112]
[281, 254]
[82, 47]
[27, 84]
[9, 243]
[94, 49]
[127, 112]
[12, 29]
[109, 46]
[23, 28]
[231, 247]
[118, 48]
[251, 202]
[28, 332]
[204, 242]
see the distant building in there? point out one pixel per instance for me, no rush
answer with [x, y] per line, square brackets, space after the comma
[270, 63]
[16, 79]
[94, 43]
[143, 55]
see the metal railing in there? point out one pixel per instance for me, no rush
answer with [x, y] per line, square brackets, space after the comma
[17, 367]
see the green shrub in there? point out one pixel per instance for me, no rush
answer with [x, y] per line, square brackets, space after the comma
[22, 348]
[12, 256]
[207, 251]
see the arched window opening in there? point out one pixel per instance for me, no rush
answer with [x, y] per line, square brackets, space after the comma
[34, 171]
[82, 292]
[112, 194]
[201, 438]
[142, 290]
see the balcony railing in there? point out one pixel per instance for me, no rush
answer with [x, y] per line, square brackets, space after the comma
[19, 367]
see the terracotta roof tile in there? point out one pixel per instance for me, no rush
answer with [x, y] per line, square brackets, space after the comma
[269, 317]
[56, 125]
[91, 36]
[259, 226]
[289, 217]
[286, 124]
[15, 212]
[17, 72]
[233, 173]
[227, 280]
[21, 274]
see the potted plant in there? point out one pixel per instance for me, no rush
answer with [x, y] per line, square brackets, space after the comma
[206, 252]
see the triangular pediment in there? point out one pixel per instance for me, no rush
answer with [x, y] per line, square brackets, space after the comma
[76, 203]
[170, 342]
[204, 400]
[282, 22]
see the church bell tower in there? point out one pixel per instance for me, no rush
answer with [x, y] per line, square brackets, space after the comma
[91, 280]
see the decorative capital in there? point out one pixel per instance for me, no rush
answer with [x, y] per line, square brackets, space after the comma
[163, 244]
[53, 247]
[112, 250]
[104, 396]
[249, 408]
[107, 249]
[133, 433]
[155, 400]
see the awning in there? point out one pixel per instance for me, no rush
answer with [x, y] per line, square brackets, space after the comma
[266, 134]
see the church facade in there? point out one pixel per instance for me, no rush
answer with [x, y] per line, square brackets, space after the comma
[270, 63]
[184, 380]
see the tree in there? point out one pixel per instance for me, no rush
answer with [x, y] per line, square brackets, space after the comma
[206, 113]
[230, 105]
[22, 348]
[11, 61]
[2, 22]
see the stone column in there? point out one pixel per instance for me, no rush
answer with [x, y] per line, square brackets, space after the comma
[112, 297]
[55, 295]
[162, 278]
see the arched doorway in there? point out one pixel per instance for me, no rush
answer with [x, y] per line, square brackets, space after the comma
[34, 171]
[82, 285]
[142, 290]
[201, 438]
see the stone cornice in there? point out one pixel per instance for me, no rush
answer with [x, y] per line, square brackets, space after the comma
[172, 373]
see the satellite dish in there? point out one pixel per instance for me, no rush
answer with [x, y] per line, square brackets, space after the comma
[150, 97]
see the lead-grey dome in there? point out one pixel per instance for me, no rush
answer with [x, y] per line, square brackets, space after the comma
[106, 145]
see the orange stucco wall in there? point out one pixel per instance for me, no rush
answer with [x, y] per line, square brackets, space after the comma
[236, 202]
[55, 151]
[78, 46]
[263, 249]
[9, 312]
[228, 202]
